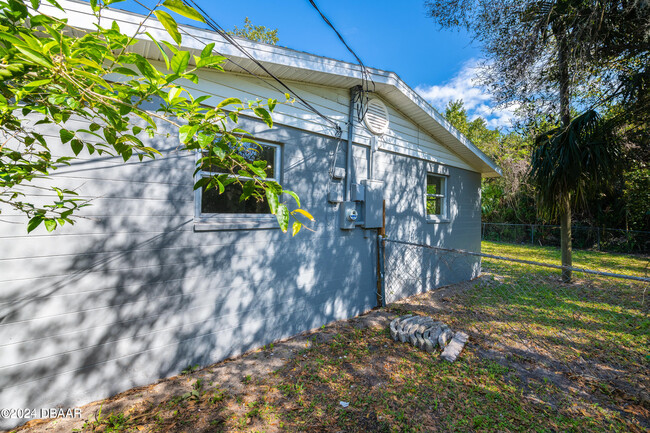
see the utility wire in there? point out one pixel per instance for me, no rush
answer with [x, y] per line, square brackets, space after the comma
[366, 77]
[329, 23]
[228, 59]
[220, 30]
[361, 98]
[215, 26]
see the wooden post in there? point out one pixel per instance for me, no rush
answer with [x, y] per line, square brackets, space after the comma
[382, 230]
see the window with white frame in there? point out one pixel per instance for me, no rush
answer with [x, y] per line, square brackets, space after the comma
[436, 197]
[211, 204]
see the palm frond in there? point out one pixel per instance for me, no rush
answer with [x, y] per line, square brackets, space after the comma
[572, 160]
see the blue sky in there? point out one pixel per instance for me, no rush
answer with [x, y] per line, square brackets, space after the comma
[391, 35]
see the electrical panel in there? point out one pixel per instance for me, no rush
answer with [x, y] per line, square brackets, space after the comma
[373, 205]
[357, 192]
[335, 194]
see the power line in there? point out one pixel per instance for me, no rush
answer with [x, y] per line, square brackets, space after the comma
[216, 27]
[220, 30]
[366, 77]
[228, 59]
[329, 23]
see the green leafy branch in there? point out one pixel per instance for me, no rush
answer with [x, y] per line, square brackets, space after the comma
[51, 76]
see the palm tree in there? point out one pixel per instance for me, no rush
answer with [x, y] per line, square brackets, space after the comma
[543, 54]
[567, 163]
[579, 153]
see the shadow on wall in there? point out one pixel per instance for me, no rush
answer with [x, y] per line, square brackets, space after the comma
[134, 294]
[411, 270]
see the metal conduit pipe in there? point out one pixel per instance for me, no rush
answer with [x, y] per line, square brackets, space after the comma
[348, 160]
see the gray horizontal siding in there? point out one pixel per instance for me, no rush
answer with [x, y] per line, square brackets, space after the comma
[196, 316]
[131, 293]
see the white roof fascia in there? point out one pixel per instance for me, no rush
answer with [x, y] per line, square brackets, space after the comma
[277, 59]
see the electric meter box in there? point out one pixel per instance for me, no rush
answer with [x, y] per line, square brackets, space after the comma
[348, 215]
[373, 205]
[339, 173]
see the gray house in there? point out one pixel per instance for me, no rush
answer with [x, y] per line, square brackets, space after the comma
[158, 277]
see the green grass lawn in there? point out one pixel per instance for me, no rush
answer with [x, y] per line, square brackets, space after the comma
[595, 317]
[625, 264]
[543, 356]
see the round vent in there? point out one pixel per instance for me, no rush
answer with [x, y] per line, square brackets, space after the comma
[376, 118]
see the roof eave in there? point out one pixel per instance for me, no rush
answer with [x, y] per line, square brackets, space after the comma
[277, 59]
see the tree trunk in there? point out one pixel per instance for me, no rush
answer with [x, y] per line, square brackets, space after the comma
[565, 117]
[565, 239]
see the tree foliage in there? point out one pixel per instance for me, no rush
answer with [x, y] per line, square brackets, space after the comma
[557, 59]
[508, 198]
[623, 202]
[53, 74]
[476, 130]
[256, 33]
[608, 52]
[548, 56]
[578, 159]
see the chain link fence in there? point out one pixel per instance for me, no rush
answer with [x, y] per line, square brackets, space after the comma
[582, 237]
[594, 330]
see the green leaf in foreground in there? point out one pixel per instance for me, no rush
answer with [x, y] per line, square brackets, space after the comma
[229, 101]
[282, 216]
[294, 195]
[182, 9]
[297, 225]
[264, 115]
[50, 225]
[180, 61]
[305, 213]
[38, 47]
[169, 24]
[65, 135]
[272, 199]
[33, 223]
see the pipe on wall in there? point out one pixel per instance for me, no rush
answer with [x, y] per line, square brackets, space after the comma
[348, 160]
[371, 159]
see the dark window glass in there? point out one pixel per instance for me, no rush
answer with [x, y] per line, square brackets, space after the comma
[434, 205]
[435, 194]
[228, 201]
[252, 152]
[434, 185]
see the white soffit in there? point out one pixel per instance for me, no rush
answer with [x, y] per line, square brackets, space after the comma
[289, 64]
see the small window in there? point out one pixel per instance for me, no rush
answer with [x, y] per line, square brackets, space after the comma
[225, 209]
[436, 198]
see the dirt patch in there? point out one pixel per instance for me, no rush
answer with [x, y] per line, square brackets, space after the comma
[225, 379]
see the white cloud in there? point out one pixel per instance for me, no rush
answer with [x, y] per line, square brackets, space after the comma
[477, 100]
